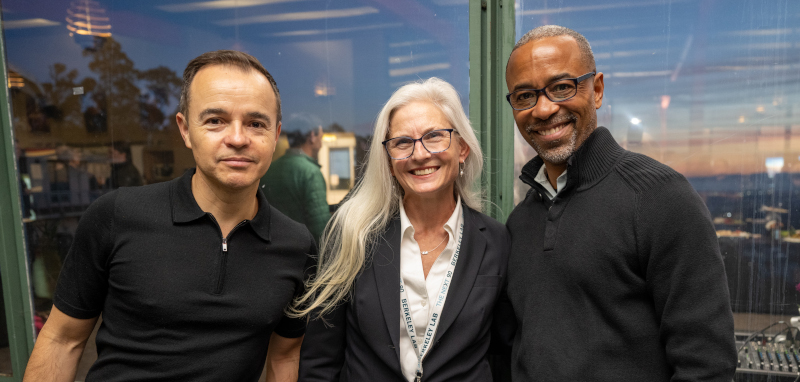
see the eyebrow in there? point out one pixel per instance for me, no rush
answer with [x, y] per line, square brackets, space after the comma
[429, 129]
[251, 115]
[211, 111]
[261, 116]
[550, 80]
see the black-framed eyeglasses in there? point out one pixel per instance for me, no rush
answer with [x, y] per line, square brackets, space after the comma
[557, 91]
[434, 141]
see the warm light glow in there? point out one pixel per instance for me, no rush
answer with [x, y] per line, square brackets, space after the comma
[760, 109]
[635, 121]
[321, 89]
[15, 80]
[741, 119]
[329, 137]
[665, 101]
[87, 18]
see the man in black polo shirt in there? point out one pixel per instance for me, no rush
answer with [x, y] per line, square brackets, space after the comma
[192, 276]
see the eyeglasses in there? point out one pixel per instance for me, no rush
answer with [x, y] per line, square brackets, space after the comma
[434, 141]
[561, 90]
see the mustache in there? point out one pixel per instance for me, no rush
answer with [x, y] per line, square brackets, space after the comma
[554, 120]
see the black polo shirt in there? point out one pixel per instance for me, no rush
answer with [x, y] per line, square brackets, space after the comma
[179, 301]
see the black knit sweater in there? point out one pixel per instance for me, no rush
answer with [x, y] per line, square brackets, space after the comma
[619, 277]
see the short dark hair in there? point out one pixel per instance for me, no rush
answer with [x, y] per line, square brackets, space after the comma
[554, 31]
[233, 58]
[298, 127]
[122, 147]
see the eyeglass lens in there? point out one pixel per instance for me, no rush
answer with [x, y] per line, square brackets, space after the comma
[557, 91]
[434, 141]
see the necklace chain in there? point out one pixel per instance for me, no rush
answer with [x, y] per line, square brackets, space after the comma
[437, 246]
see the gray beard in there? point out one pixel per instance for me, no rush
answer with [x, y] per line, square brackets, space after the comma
[559, 153]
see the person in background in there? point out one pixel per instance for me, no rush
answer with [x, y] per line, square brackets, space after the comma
[615, 272]
[411, 278]
[192, 276]
[294, 184]
[123, 172]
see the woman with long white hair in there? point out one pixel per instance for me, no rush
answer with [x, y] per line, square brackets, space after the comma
[410, 273]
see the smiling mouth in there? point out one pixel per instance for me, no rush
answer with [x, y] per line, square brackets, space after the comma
[425, 171]
[553, 130]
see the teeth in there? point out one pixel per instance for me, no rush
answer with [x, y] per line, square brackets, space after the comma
[426, 171]
[551, 131]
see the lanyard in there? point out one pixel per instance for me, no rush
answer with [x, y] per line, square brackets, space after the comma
[433, 321]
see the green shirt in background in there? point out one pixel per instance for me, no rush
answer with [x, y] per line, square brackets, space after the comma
[295, 186]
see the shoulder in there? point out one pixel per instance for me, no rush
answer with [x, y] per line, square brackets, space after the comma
[642, 173]
[285, 229]
[493, 229]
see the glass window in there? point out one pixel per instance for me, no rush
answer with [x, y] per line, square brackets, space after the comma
[710, 89]
[5, 351]
[95, 85]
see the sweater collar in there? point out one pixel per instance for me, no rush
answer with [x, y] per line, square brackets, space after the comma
[591, 162]
[185, 208]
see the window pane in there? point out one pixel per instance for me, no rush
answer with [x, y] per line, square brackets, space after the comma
[5, 351]
[710, 89]
[94, 103]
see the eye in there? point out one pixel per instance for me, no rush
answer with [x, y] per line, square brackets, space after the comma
[402, 142]
[524, 95]
[561, 87]
[258, 124]
[214, 121]
[434, 134]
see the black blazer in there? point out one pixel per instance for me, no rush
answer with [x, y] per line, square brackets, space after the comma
[362, 343]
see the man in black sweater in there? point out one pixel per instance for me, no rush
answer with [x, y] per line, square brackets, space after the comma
[615, 273]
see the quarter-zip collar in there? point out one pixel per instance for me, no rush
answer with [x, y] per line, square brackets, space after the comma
[589, 164]
[185, 208]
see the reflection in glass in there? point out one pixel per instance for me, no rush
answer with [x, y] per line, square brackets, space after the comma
[5, 351]
[340, 169]
[95, 86]
[715, 100]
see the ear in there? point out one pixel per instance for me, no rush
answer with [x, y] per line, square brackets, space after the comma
[277, 132]
[183, 126]
[464, 152]
[598, 90]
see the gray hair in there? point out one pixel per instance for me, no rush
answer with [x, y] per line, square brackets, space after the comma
[555, 31]
[364, 215]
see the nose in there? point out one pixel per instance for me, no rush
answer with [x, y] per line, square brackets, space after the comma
[544, 108]
[420, 152]
[237, 135]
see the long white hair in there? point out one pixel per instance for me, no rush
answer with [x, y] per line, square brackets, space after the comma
[364, 215]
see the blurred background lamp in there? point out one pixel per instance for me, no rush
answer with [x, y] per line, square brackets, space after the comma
[774, 165]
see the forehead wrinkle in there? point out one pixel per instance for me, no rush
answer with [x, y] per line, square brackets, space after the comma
[212, 111]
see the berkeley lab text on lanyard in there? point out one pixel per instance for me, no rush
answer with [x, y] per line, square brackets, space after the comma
[436, 314]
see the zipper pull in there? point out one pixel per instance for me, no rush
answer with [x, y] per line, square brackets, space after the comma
[225, 245]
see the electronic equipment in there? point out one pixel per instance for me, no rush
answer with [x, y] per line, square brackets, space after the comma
[768, 358]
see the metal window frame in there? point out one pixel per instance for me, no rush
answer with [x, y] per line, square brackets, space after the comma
[13, 258]
[491, 38]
